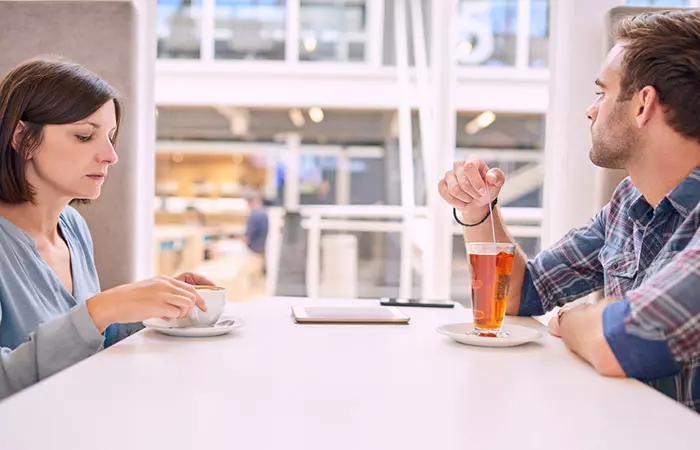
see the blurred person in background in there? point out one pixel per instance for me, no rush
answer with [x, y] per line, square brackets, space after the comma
[642, 248]
[251, 276]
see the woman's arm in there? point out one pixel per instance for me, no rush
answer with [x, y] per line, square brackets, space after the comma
[56, 345]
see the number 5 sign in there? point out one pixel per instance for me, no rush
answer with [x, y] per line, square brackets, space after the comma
[475, 28]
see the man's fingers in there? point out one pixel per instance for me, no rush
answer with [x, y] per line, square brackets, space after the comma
[471, 170]
[465, 183]
[445, 194]
[553, 327]
[495, 178]
[454, 188]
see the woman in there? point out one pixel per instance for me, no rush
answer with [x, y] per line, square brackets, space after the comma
[58, 128]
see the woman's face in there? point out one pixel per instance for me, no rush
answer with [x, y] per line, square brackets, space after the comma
[72, 159]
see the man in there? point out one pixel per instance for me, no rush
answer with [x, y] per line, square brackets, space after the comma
[251, 278]
[643, 248]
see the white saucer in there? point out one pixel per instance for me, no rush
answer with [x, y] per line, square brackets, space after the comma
[512, 335]
[220, 328]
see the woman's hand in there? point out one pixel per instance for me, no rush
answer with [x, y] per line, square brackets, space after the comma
[165, 297]
[195, 279]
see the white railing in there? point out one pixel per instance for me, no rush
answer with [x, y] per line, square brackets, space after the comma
[522, 222]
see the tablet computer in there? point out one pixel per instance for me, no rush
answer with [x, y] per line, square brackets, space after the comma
[348, 314]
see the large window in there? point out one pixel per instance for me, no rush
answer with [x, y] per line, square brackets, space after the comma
[179, 32]
[332, 30]
[493, 33]
[248, 29]
[539, 33]
[660, 3]
[327, 30]
[503, 33]
[487, 31]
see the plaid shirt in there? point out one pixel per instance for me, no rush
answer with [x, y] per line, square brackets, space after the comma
[649, 258]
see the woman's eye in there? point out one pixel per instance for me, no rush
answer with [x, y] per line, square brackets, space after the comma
[83, 138]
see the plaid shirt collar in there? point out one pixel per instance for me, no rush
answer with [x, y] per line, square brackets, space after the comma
[683, 198]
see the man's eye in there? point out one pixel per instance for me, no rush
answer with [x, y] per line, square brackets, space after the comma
[599, 93]
[83, 138]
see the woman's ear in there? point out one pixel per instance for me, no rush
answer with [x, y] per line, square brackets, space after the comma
[17, 135]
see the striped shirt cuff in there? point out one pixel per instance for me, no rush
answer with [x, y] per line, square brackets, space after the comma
[530, 300]
[643, 359]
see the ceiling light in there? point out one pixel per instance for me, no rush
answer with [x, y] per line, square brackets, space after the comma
[480, 122]
[239, 119]
[464, 48]
[316, 115]
[297, 117]
[178, 157]
[310, 44]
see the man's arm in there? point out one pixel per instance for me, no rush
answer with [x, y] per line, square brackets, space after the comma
[465, 188]
[597, 333]
[581, 329]
[565, 272]
[250, 230]
[648, 334]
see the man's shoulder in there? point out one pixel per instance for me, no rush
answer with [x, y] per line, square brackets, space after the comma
[626, 192]
[259, 215]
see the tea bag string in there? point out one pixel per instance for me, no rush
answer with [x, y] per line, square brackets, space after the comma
[493, 228]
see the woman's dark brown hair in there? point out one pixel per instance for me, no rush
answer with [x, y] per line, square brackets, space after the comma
[39, 92]
[662, 50]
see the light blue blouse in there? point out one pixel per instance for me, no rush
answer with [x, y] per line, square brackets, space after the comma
[43, 327]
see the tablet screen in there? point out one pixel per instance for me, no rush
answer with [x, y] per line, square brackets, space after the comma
[339, 312]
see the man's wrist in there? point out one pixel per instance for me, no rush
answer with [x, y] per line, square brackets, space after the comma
[474, 216]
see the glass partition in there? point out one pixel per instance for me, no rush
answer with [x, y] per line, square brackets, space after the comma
[250, 30]
[179, 32]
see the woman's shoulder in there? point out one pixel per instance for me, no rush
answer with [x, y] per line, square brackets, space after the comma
[74, 223]
[71, 217]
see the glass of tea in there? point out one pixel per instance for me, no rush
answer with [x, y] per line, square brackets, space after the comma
[491, 265]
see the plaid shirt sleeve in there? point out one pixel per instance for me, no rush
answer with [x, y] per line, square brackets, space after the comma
[666, 307]
[566, 271]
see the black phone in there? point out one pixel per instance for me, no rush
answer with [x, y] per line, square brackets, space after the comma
[385, 301]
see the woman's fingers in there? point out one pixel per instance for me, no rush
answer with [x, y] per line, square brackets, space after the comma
[182, 288]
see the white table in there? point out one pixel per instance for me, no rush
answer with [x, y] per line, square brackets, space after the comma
[277, 385]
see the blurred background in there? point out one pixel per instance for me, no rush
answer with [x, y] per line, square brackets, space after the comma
[297, 100]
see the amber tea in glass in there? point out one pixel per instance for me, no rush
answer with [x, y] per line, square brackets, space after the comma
[490, 266]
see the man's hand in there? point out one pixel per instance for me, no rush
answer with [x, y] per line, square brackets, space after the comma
[553, 327]
[581, 329]
[464, 188]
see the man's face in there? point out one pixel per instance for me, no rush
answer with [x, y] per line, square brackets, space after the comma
[614, 134]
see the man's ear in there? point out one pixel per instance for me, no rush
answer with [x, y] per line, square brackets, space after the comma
[647, 103]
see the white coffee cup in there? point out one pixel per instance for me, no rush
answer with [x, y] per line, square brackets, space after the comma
[215, 299]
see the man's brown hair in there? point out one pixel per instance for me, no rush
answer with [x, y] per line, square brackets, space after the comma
[39, 92]
[662, 50]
